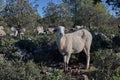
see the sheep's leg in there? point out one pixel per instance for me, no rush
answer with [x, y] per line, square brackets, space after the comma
[68, 58]
[87, 56]
[66, 62]
[88, 61]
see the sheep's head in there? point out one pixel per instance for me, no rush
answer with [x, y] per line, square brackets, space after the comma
[60, 30]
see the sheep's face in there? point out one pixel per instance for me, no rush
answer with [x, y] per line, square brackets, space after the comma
[60, 30]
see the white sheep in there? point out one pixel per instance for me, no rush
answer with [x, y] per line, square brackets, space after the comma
[14, 32]
[2, 32]
[50, 30]
[73, 43]
[40, 30]
[102, 35]
[79, 27]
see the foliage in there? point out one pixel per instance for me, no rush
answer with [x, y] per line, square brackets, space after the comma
[115, 4]
[7, 45]
[25, 71]
[1, 14]
[26, 44]
[20, 14]
[94, 15]
[56, 75]
[43, 64]
[57, 14]
[107, 63]
[116, 77]
[1, 5]
[18, 71]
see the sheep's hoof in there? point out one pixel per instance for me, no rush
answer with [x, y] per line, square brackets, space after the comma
[87, 67]
[65, 71]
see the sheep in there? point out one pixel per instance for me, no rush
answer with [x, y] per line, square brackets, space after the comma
[2, 32]
[50, 30]
[40, 30]
[79, 27]
[73, 43]
[23, 30]
[15, 32]
[102, 35]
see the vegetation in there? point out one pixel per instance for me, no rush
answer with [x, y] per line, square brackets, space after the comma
[42, 60]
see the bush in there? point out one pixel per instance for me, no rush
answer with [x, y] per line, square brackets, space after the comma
[116, 43]
[26, 44]
[116, 77]
[7, 45]
[19, 70]
[55, 75]
[107, 64]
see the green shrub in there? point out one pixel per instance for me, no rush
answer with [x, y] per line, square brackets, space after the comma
[19, 70]
[26, 44]
[56, 75]
[106, 63]
[7, 45]
[116, 77]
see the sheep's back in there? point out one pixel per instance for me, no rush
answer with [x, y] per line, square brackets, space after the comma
[74, 43]
[77, 40]
[85, 34]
